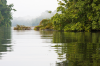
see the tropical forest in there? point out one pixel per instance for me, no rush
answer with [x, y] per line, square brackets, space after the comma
[5, 13]
[67, 36]
[76, 15]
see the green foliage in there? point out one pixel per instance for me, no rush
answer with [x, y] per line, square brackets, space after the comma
[48, 26]
[44, 24]
[74, 27]
[1, 17]
[5, 13]
[38, 27]
[49, 11]
[80, 15]
[22, 27]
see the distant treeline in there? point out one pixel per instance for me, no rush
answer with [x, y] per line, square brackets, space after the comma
[34, 21]
[5, 13]
[28, 22]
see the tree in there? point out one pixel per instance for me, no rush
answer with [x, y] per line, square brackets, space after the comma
[78, 15]
[5, 13]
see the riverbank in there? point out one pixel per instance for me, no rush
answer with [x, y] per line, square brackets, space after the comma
[45, 24]
[22, 27]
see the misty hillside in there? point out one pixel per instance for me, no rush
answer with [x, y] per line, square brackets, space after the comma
[32, 21]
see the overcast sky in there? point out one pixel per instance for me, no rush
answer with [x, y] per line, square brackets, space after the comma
[32, 8]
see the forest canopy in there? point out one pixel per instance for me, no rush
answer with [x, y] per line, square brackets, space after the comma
[77, 15]
[5, 13]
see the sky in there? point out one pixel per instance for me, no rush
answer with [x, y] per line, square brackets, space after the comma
[32, 8]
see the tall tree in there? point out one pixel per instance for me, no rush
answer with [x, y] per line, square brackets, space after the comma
[5, 13]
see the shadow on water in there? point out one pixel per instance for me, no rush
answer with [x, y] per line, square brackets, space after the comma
[5, 40]
[76, 48]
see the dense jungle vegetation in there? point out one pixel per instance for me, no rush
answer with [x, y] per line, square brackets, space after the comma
[77, 15]
[44, 24]
[5, 13]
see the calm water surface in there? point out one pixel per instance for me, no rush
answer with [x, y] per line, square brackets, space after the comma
[48, 48]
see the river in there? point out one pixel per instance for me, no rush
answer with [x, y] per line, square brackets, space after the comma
[49, 48]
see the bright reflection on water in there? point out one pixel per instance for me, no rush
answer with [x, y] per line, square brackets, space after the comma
[49, 48]
[29, 48]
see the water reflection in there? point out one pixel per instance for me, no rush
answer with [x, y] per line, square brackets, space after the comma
[5, 40]
[47, 35]
[41, 48]
[77, 48]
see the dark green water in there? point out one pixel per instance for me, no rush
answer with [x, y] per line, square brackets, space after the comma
[77, 48]
[49, 48]
[5, 41]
